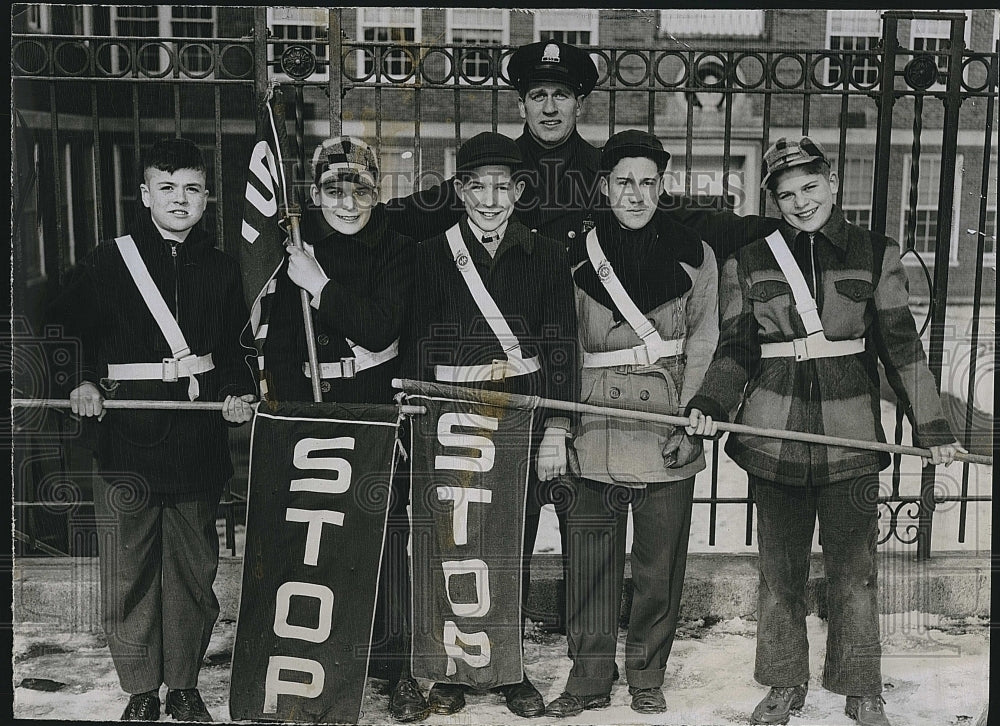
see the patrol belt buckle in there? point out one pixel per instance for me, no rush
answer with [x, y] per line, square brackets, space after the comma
[348, 367]
[170, 370]
[498, 370]
[800, 348]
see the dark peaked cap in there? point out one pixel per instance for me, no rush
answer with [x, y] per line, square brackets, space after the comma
[487, 149]
[552, 61]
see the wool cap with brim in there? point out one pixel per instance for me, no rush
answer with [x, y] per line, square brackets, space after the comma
[488, 149]
[345, 158]
[632, 143]
[553, 62]
[783, 154]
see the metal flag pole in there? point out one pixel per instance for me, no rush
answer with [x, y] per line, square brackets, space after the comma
[292, 214]
[514, 400]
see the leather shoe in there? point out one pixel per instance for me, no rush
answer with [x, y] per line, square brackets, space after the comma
[648, 700]
[867, 710]
[143, 707]
[407, 703]
[523, 699]
[568, 705]
[778, 704]
[446, 698]
[185, 704]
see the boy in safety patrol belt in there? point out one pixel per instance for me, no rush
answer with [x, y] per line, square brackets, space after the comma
[647, 312]
[358, 274]
[806, 313]
[495, 301]
[158, 313]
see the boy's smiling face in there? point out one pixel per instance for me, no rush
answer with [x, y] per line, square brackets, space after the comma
[806, 198]
[176, 200]
[347, 205]
[489, 194]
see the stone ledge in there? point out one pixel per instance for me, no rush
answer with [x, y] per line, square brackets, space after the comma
[66, 590]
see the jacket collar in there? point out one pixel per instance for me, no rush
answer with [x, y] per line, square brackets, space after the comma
[517, 235]
[834, 231]
[193, 249]
[316, 229]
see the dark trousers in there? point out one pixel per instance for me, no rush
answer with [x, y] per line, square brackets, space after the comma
[559, 493]
[847, 513]
[661, 516]
[391, 640]
[159, 554]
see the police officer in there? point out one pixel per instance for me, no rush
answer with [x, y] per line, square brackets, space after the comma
[553, 80]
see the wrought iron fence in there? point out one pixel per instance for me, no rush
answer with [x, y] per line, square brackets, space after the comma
[96, 98]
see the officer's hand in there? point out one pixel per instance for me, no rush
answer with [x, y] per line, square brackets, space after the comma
[944, 454]
[551, 461]
[87, 400]
[680, 449]
[701, 425]
[238, 409]
[304, 270]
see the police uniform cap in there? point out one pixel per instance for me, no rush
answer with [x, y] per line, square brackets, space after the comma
[633, 143]
[487, 149]
[785, 153]
[554, 62]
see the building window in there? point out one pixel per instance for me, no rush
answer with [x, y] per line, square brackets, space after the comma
[576, 27]
[37, 18]
[990, 226]
[708, 186]
[476, 27]
[934, 37]
[728, 23]
[853, 30]
[856, 184]
[388, 25]
[924, 218]
[144, 21]
[299, 26]
[193, 21]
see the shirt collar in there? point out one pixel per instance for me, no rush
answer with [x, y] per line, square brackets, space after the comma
[834, 231]
[515, 233]
[479, 234]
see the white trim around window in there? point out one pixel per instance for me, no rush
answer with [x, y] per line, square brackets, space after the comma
[568, 21]
[388, 18]
[492, 21]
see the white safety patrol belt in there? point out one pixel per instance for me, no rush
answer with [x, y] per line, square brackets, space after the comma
[350, 367]
[653, 347]
[515, 364]
[182, 364]
[815, 344]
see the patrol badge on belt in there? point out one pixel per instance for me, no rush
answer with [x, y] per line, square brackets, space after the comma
[551, 53]
[604, 270]
[462, 260]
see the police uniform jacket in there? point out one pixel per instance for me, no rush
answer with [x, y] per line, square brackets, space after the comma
[365, 300]
[173, 451]
[860, 287]
[674, 282]
[529, 278]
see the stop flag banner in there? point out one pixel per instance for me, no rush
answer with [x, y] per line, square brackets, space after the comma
[469, 480]
[318, 498]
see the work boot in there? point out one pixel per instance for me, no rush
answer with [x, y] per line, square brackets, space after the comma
[185, 704]
[446, 698]
[143, 707]
[523, 699]
[778, 704]
[568, 705]
[648, 700]
[867, 710]
[407, 703]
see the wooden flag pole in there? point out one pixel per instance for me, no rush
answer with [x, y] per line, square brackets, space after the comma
[292, 215]
[514, 400]
[135, 405]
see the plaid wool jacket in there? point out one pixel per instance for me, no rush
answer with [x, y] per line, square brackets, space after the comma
[861, 290]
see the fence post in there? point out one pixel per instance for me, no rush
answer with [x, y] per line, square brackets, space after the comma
[942, 255]
[336, 72]
[885, 99]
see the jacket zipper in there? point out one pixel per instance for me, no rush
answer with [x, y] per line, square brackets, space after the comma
[177, 307]
[812, 377]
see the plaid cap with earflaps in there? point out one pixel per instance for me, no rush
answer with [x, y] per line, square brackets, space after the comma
[783, 154]
[345, 157]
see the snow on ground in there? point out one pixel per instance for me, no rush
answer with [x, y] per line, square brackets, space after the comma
[935, 670]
